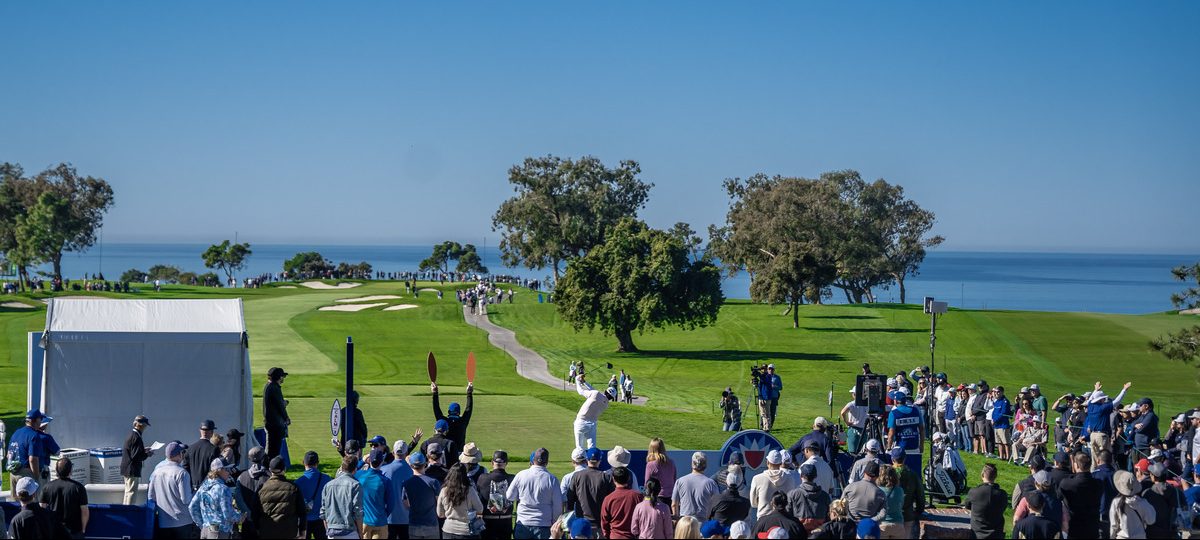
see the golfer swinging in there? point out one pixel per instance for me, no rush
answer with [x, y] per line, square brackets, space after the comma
[595, 404]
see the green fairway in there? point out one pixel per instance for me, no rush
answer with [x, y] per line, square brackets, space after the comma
[682, 372]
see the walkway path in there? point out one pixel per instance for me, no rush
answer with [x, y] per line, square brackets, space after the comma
[530, 364]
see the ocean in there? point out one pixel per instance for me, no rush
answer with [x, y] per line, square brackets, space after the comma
[1107, 283]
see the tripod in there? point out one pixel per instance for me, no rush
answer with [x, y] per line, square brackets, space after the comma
[874, 429]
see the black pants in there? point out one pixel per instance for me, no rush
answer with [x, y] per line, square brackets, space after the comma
[186, 532]
[497, 529]
[316, 530]
[398, 532]
[274, 442]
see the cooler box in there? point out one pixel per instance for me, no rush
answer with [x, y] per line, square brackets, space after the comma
[106, 465]
[80, 459]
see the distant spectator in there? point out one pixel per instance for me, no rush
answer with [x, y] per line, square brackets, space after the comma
[771, 481]
[200, 454]
[809, 504]
[863, 498]
[30, 448]
[1082, 498]
[275, 416]
[1130, 515]
[730, 505]
[133, 454]
[589, 487]
[457, 418]
[397, 473]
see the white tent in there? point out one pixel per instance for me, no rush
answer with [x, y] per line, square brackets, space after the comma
[179, 362]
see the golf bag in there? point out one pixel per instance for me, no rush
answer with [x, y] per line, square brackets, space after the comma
[948, 483]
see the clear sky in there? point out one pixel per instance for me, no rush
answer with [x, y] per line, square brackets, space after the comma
[1023, 125]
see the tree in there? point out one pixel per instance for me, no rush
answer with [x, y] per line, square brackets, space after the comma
[345, 269]
[779, 230]
[227, 257]
[209, 279]
[470, 263]
[133, 275]
[188, 278]
[440, 259]
[1183, 345]
[164, 272]
[308, 262]
[638, 279]
[563, 208]
[87, 199]
[43, 231]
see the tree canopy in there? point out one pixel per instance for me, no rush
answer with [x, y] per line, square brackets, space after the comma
[227, 257]
[563, 208]
[308, 262]
[1183, 345]
[638, 279]
[448, 251]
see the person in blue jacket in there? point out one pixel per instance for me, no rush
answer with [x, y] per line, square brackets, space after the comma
[769, 388]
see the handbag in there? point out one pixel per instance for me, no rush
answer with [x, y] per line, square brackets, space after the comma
[475, 524]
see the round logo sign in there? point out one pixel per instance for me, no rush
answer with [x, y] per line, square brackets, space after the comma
[753, 445]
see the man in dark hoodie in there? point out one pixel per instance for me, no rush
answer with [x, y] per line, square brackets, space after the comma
[200, 454]
[441, 438]
[249, 483]
[809, 504]
[730, 505]
[456, 418]
[1083, 494]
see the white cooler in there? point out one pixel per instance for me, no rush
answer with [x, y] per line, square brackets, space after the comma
[81, 461]
[106, 465]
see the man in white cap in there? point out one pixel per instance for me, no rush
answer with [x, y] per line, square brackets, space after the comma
[1097, 428]
[577, 459]
[817, 437]
[873, 448]
[620, 457]
[595, 403]
[771, 481]
[770, 385]
[33, 521]
[1040, 404]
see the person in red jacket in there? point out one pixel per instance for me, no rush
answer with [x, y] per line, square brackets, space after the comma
[616, 514]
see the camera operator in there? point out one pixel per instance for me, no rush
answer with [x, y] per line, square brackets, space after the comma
[731, 407]
[768, 385]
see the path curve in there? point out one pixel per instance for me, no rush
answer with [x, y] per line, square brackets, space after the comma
[530, 364]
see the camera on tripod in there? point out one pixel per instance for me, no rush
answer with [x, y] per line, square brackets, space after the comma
[758, 375]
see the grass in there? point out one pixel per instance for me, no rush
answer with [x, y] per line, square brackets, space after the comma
[682, 372]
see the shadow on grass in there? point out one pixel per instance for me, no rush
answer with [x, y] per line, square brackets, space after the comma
[738, 356]
[845, 317]
[867, 330]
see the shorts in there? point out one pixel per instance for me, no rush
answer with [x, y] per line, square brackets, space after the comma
[1002, 436]
[979, 427]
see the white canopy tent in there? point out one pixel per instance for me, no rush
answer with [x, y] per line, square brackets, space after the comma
[179, 362]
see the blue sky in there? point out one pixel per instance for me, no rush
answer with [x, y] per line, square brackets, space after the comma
[1024, 126]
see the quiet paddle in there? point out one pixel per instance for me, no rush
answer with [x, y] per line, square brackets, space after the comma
[471, 367]
[432, 368]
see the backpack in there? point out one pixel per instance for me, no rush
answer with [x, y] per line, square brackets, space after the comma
[16, 457]
[497, 499]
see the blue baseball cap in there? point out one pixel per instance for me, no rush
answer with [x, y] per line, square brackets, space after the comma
[378, 439]
[455, 409]
[897, 454]
[441, 425]
[593, 454]
[36, 414]
[712, 528]
[416, 458]
[581, 528]
[868, 528]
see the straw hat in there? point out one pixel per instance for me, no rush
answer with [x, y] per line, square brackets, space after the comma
[470, 454]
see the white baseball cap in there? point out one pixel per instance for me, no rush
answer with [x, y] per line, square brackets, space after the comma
[774, 457]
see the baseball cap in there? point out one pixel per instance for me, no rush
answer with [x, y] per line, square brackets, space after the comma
[576, 455]
[1195, 415]
[712, 528]
[1145, 401]
[541, 456]
[1024, 389]
[400, 447]
[174, 449]
[735, 458]
[770, 366]
[1037, 462]
[208, 425]
[776, 532]
[1157, 454]
[141, 419]
[36, 414]
[28, 485]
[872, 469]
[277, 463]
[593, 454]
[499, 456]
[378, 439]
[376, 457]
[1142, 465]
[787, 457]
[434, 449]
[808, 470]
[353, 446]
[868, 528]
[454, 410]
[873, 446]
[256, 454]
[897, 454]
[774, 457]
[1157, 470]
[276, 372]
[811, 445]
[1061, 458]
[739, 529]
[217, 464]
[1041, 477]
[820, 421]
[416, 458]
[441, 425]
[1181, 418]
[581, 528]
[891, 383]
[1034, 386]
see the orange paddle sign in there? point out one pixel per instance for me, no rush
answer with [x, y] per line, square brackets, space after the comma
[471, 367]
[432, 368]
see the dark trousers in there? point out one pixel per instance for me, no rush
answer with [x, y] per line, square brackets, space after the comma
[274, 442]
[497, 529]
[398, 532]
[316, 530]
[186, 532]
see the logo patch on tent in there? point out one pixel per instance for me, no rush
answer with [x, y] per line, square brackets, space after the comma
[753, 444]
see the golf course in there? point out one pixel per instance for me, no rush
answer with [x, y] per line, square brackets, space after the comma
[681, 372]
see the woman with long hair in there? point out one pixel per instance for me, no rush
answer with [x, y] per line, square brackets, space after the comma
[660, 467]
[893, 521]
[458, 504]
[652, 518]
[688, 528]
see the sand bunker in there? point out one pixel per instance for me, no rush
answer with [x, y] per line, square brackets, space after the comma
[1189, 311]
[286, 287]
[18, 305]
[351, 307]
[320, 285]
[429, 290]
[369, 298]
[399, 307]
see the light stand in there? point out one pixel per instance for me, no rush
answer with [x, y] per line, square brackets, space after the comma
[933, 308]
